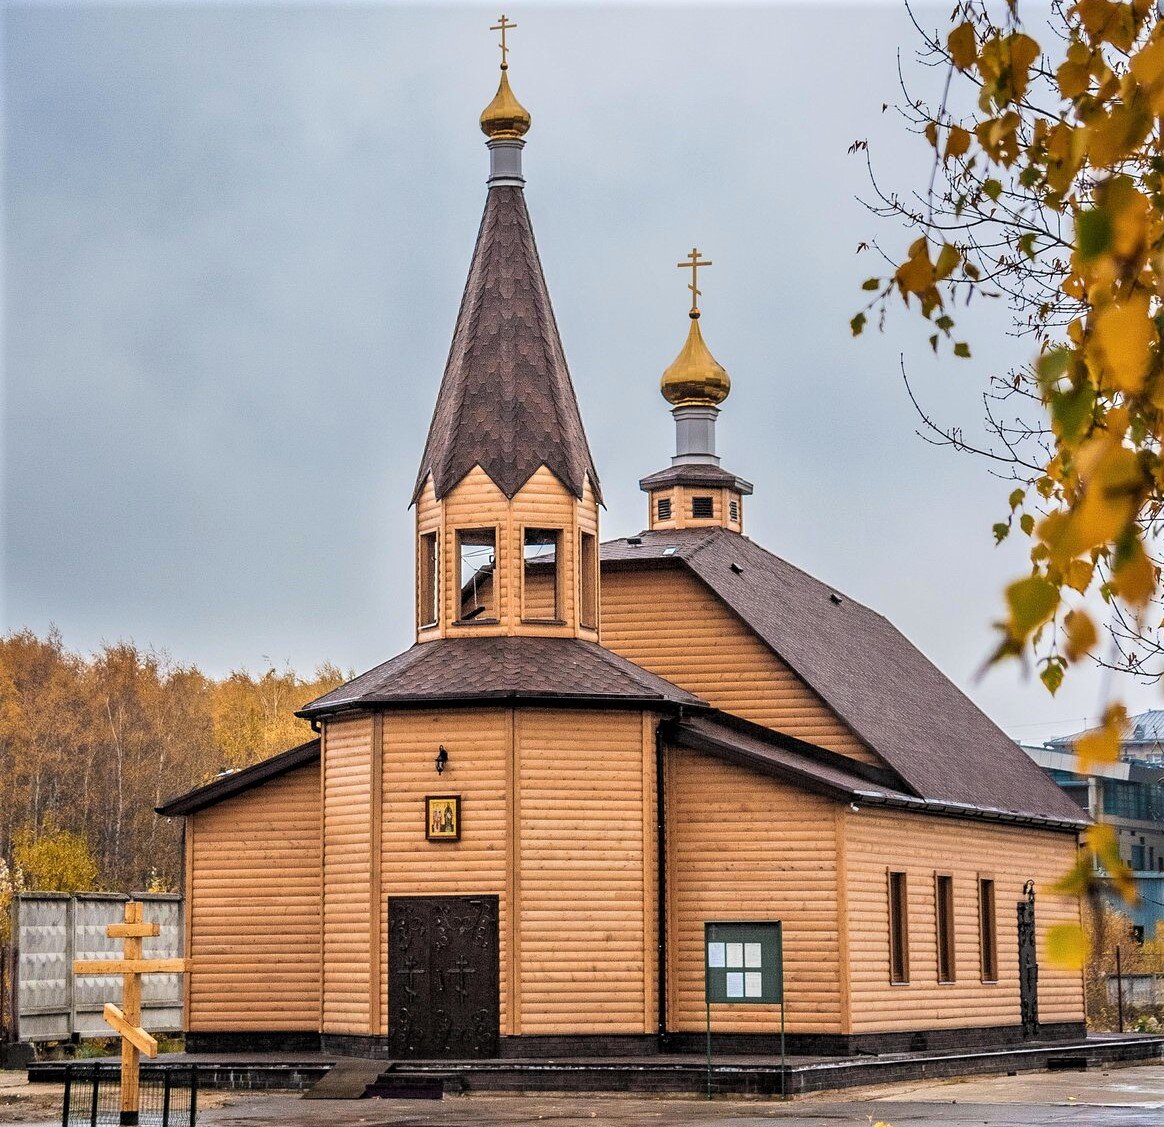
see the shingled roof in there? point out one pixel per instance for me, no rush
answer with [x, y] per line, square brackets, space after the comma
[889, 694]
[506, 402]
[517, 670]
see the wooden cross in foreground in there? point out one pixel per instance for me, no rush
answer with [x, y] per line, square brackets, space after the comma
[127, 1023]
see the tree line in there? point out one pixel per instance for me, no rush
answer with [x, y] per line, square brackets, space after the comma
[91, 743]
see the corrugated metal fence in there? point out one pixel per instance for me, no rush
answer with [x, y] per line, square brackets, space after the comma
[50, 930]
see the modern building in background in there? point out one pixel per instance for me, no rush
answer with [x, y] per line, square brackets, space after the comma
[1129, 796]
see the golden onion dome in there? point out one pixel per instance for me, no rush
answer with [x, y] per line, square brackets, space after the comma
[505, 116]
[695, 378]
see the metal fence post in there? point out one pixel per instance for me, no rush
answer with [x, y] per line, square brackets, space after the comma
[68, 1094]
[193, 1093]
[96, 1093]
[70, 957]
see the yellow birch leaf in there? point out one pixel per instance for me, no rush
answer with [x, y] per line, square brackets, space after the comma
[958, 142]
[1134, 578]
[1081, 635]
[1147, 64]
[1067, 946]
[1031, 602]
[1124, 335]
[1102, 745]
[963, 45]
[1077, 575]
[948, 257]
[1073, 79]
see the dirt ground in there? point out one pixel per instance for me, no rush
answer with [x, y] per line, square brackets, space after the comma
[1114, 1097]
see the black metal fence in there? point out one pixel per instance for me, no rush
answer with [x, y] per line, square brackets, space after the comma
[168, 1096]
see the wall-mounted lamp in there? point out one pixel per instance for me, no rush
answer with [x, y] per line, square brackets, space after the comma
[442, 760]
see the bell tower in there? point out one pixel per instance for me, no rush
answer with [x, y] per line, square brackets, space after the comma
[694, 491]
[507, 495]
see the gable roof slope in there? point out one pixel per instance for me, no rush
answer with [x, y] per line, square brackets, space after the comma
[890, 694]
[506, 402]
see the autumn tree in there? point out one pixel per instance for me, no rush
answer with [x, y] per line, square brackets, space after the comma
[1047, 192]
[89, 746]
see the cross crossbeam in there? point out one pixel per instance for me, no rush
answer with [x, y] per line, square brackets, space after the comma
[693, 263]
[503, 25]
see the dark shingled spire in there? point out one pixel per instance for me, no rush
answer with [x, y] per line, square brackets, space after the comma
[506, 402]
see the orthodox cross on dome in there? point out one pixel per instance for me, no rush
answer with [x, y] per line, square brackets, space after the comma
[503, 25]
[693, 263]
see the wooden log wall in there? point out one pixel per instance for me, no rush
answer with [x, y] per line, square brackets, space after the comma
[681, 498]
[479, 746]
[741, 846]
[877, 841]
[573, 870]
[585, 881]
[476, 502]
[347, 859]
[253, 884]
[668, 621]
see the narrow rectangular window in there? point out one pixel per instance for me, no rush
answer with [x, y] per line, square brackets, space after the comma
[988, 935]
[898, 929]
[944, 896]
[734, 511]
[477, 558]
[664, 508]
[541, 581]
[702, 508]
[427, 604]
[588, 564]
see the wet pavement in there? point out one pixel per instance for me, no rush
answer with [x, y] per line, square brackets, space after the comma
[1112, 1097]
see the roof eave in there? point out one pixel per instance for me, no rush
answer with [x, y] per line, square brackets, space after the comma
[237, 782]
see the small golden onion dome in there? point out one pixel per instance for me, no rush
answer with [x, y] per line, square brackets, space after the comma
[696, 378]
[505, 116]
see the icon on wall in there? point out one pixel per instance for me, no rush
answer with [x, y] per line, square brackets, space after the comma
[442, 817]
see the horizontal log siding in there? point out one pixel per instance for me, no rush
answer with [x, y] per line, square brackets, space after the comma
[347, 788]
[920, 846]
[741, 846]
[583, 897]
[668, 621]
[478, 742]
[253, 899]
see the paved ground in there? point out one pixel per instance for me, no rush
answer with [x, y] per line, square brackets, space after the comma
[1117, 1097]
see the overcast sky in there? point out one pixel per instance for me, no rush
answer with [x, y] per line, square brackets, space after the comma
[235, 239]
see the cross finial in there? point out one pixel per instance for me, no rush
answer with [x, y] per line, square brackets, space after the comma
[693, 263]
[503, 25]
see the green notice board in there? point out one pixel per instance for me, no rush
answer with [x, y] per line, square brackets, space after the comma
[743, 962]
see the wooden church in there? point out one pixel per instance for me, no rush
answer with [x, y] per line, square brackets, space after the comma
[507, 840]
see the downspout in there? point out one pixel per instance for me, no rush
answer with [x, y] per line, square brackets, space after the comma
[661, 870]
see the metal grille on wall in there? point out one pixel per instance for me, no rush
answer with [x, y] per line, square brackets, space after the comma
[52, 930]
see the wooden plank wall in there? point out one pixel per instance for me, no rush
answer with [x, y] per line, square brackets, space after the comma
[478, 742]
[253, 891]
[585, 872]
[476, 502]
[347, 857]
[574, 873]
[876, 841]
[668, 621]
[742, 846]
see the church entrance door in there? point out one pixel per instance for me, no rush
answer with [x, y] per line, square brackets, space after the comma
[444, 997]
[1028, 964]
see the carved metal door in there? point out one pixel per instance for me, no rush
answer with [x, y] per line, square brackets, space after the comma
[1028, 963]
[443, 984]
